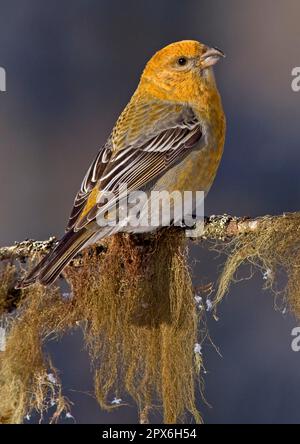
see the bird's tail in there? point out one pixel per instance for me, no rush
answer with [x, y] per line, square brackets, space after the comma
[53, 263]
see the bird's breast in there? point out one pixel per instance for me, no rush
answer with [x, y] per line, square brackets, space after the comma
[195, 172]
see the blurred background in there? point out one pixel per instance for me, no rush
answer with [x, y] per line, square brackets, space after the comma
[71, 67]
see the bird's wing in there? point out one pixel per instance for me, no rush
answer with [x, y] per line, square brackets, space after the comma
[88, 186]
[137, 158]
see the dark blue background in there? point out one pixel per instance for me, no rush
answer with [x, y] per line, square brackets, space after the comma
[71, 67]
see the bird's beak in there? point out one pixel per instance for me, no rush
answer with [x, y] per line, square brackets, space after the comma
[210, 57]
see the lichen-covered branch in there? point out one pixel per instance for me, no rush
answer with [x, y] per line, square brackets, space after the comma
[135, 299]
[215, 228]
[27, 248]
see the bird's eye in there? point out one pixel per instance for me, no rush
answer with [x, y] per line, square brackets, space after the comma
[182, 61]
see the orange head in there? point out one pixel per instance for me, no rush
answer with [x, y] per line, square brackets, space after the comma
[179, 69]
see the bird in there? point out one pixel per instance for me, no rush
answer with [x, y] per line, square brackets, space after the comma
[169, 137]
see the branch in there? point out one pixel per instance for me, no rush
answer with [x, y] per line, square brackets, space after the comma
[215, 228]
[27, 248]
[270, 242]
[226, 227]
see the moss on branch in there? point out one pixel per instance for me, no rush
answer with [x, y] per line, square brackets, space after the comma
[134, 300]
